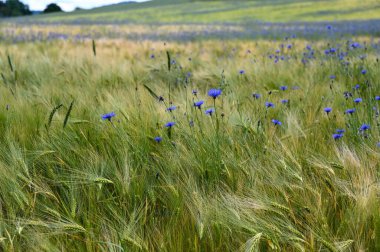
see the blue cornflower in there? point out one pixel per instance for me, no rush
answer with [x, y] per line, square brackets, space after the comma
[364, 127]
[256, 96]
[329, 27]
[327, 110]
[276, 122]
[308, 47]
[289, 46]
[377, 98]
[152, 56]
[170, 109]
[332, 50]
[340, 131]
[108, 116]
[269, 104]
[358, 100]
[327, 51]
[158, 139]
[337, 136]
[363, 71]
[169, 124]
[332, 77]
[284, 101]
[283, 88]
[210, 111]
[356, 87]
[350, 111]
[355, 45]
[214, 93]
[241, 72]
[198, 104]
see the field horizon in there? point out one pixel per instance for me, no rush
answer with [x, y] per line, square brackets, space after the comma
[211, 12]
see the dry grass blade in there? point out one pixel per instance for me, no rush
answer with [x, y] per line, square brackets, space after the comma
[68, 114]
[94, 47]
[151, 92]
[52, 113]
[10, 63]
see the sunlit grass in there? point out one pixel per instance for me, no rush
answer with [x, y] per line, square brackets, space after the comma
[226, 182]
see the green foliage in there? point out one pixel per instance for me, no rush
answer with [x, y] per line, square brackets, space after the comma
[13, 8]
[51, 8]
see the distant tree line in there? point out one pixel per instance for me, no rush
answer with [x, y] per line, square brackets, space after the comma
[52, 8]
[14, 8]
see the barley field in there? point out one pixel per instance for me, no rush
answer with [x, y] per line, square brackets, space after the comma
[209, 141]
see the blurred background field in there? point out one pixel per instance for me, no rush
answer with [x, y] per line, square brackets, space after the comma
[197, 20]
[206, 12]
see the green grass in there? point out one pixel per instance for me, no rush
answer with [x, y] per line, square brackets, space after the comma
[225, 11]
[70, 181]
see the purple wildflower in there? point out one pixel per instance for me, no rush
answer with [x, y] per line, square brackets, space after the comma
[171, 108]
[327, 110]
[169, 124]
[337, 136]
[350, 111]
[198, 104]
[364, 127]
[269, 104]
[276, 122]
[108, 116]
[210, 111]
[158, 139]
[214, 93]
[358, 100]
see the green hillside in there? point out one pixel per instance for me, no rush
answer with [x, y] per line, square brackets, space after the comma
[169, 11]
